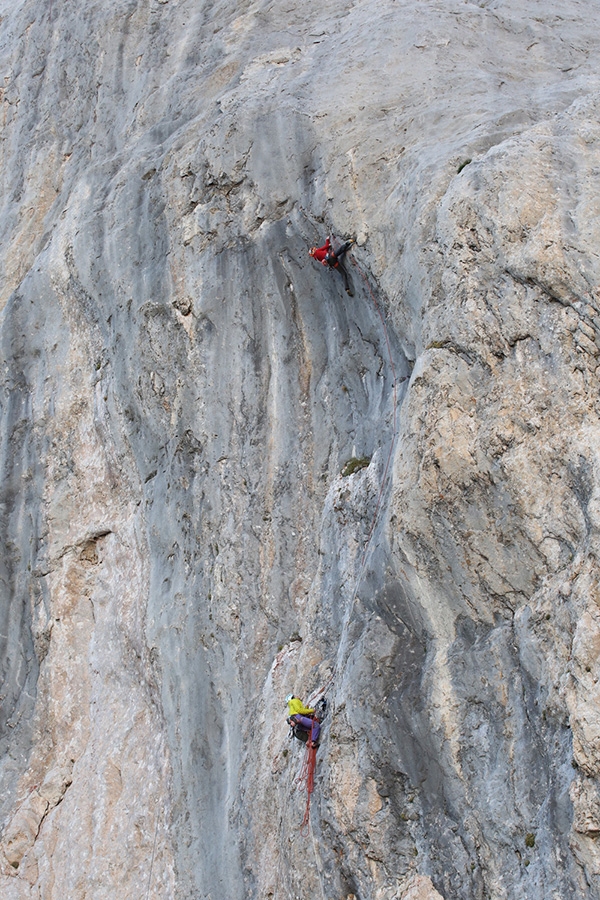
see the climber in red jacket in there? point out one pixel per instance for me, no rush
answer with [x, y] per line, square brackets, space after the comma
[333, 258]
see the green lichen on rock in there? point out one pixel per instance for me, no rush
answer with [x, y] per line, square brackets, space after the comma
[355, 464]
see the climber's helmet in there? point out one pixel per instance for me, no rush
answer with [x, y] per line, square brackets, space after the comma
[311, 252]
[289, 697]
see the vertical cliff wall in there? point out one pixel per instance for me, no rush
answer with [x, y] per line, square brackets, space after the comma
[182, 388]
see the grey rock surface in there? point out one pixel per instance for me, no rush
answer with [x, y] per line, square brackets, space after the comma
[181, 389]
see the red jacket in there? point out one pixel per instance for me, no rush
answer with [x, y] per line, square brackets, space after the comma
[321, 253]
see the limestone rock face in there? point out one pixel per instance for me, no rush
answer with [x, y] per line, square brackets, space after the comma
[224, 479]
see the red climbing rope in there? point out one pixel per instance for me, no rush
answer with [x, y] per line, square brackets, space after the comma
[306, 779]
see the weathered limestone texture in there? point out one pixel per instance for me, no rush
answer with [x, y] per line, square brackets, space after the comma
[182, 388]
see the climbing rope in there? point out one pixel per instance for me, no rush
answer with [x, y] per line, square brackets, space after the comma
[394, 424]
[386, 470]
[306, 779]
[152, 858]
[394, 430]
[307, 774]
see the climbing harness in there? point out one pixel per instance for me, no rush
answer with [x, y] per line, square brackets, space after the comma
[296, 731]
